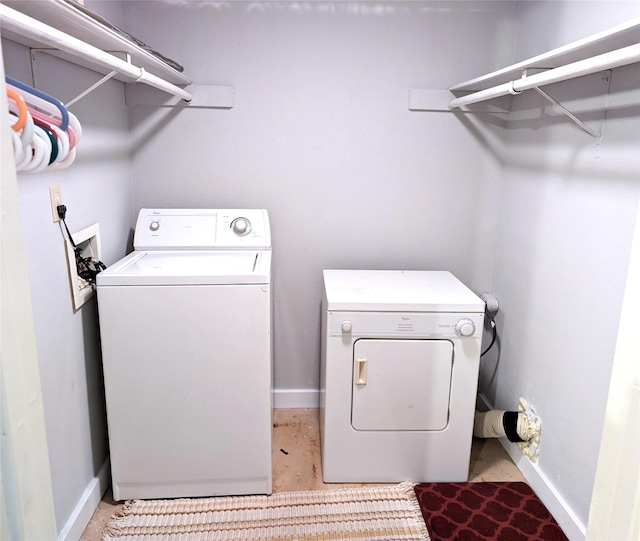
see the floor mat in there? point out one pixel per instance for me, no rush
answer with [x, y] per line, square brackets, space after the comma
[508, 511]
[389, 513]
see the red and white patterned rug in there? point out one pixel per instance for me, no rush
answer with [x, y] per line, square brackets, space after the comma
[508, 511]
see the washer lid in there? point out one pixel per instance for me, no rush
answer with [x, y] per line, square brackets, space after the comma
[176, 267]
[398, 291]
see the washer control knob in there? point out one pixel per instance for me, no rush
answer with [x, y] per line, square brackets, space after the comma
[241, 226]
[346, 326]
[155, 225]
[465, 327]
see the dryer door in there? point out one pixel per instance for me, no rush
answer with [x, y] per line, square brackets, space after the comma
[401, 384]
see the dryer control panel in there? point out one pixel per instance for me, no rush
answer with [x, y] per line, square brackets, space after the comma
[202, 229]
[406, 325]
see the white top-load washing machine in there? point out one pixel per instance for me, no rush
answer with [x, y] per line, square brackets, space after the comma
[185, 325]
[399, 373]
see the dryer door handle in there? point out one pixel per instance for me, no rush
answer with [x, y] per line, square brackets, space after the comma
[360, 375]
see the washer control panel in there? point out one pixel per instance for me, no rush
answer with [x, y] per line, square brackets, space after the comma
[202, 229]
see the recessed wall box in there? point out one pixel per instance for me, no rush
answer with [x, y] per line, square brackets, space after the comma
[88, 241]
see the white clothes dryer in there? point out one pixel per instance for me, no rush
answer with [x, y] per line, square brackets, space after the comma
[185, 325]
[399, 373]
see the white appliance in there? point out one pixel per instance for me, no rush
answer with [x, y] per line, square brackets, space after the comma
[399, 374]
[185, 324]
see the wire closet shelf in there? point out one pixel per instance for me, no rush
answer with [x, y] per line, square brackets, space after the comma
[44, 34]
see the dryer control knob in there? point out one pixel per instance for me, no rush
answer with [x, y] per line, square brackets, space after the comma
[346, 326]
[241, 226]
[154, 226]
[465, 327]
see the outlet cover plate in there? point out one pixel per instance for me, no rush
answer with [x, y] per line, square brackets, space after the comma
[55, 196]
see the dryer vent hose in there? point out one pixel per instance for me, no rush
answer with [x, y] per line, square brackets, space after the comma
[499, 424]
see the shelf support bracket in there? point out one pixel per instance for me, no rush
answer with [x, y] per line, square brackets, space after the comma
[92, 87]
[562, 108]
[566, 111]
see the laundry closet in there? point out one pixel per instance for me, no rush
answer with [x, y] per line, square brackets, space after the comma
[335, 117]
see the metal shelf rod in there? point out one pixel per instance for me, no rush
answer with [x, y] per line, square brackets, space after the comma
[602, 62]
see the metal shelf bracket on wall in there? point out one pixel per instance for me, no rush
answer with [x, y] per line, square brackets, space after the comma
[88, 91]
[564, 110]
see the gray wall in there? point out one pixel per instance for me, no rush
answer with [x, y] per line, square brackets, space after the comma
[96, 188]
[322, 137]
[567, 213]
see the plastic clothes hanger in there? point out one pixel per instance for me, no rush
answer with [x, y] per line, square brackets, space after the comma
[66, 162]
[74, 123]
[63, 143]
[59, 142]
[41, 133]
[40, 154]
[53, 154]
[26, 134]
[40, 99]
[46, 125]
[27, 131]
[18, 149]
[49, 143]
[70, 131]
[26, 158]
[22, 109]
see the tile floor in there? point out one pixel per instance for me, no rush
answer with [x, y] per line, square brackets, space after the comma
[297, 432]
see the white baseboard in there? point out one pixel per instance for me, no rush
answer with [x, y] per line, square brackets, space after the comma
[572, 526]
[296, 398]
[87, 504]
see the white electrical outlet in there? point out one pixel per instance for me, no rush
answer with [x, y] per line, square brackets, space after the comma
[55, 195]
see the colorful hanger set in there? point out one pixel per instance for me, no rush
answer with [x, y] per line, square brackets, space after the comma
[44, 132]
